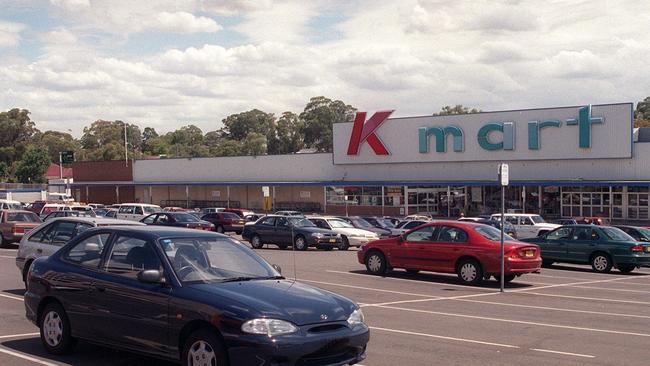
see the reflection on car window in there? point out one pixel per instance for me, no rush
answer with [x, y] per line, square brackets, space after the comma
[424, 234]
[492, 233]
[87, 253]
[412, 224]
[613, 233]
[149, 219]
[63, 232]
[560, 234]
[130, 256]
[452, 234]
[582, 233]
[269, 221]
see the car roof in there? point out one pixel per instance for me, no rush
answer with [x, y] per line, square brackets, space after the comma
[138, 204]
[16, 211]
[517, 214]
[99, 221]
[164, 231]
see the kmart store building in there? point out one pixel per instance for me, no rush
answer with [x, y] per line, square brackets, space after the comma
[569, 161]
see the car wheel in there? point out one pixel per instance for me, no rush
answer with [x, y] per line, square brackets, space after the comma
[412, 271]
[626, 268]
[601, 262]
[282, 246]
[470, 272]
[376, 263]
[203, 348]
[2, 241]
[220, 229]
[300, 243]
[345, 243]
[26, 271]
[55, 330]
[256, 242]
[547, 263]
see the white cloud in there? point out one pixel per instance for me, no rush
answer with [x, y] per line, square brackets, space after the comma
[71, 4]
[181, 22]
[10, 33]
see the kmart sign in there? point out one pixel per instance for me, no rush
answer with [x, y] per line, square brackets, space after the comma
[584, 132]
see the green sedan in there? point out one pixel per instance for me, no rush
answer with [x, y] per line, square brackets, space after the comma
[603, 247]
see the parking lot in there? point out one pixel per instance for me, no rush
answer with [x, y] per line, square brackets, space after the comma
[566, 315]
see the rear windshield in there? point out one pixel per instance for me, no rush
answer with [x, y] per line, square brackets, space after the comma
[151, 209]
[184, 217]
[23, 217]
[491, 233]
[230, 215]
[614, 233]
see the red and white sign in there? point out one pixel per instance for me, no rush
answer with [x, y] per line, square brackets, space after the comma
[365, 132]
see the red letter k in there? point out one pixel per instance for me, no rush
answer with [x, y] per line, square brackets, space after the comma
[366, 132]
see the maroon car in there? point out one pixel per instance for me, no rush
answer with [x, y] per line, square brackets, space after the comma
[225, 221]
[15, 223]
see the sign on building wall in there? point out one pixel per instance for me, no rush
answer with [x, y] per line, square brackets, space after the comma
[582, 132]
[305, 194]
[216, 193]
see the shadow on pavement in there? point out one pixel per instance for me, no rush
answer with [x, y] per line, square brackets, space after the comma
[589, 270]
[84, 354]
[18, 292]
[448, 279]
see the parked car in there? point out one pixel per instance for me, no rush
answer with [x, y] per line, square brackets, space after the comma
[242, 212]
[187, 295]
[360, 223]
[51, 207]
[350, 235]
[15, 223]
[394, 220]
[379, 222]
[527, 225]
[284, 231]
[290, 213]
[82, 208]
[68, 213]
[405, 226]
[178, 219]
[208, 210]
[36, 207]
[420, 217]
[604, 247]
[111, 213]
[176, 209]
[565, 222]
[10, 205]
[470, 250]
[50, 236]
[136, 211]
[252, 218]
[638, 233]
[594, 220]
[101, 211]
[96, 206]
[225, 222]
[509, 228]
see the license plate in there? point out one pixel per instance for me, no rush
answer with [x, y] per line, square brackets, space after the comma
[647, 249]
[529, 253]
[332, 240]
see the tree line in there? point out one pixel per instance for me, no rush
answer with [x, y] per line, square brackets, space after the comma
[26, 152]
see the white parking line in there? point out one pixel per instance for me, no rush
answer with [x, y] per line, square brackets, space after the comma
[444, 337]
[366, 288]
[26, 357]
[588, 298]
[562, 353]
[12, 297]
[6, 256]
[410, 280]
[518, 321]
[557, 309]
[20, 335]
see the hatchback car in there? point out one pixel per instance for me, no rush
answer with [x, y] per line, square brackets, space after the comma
[194, 297]
[604, 247]
[49, 237]
[178, 219]
[15, 223]
[470, 250]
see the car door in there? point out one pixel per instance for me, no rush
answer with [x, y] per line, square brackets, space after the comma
[410, 251]
[554, 245]
[582, 243]
[130, 313]
[283, 232]
[74, 287]
[450, 242]
[266, 229]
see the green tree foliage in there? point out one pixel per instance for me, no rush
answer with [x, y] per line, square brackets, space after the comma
[104, 140]
[227, 148]
[239, 126]
[16, 132]
[642, 113]
[319, 116]
[254, 144]
[55, 142]
[32, 166]
[4, 171]
[289, 137]
[457, 109]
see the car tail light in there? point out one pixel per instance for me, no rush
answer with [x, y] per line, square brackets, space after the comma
[18, 230]
[637, 248]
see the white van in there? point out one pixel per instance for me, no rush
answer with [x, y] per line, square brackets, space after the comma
[136, 211]
[10, 205]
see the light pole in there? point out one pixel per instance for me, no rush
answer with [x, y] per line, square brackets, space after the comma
[126, 151]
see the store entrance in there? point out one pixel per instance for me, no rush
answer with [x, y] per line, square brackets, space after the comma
[435, 202]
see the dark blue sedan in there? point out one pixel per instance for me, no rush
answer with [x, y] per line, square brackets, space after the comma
[196, 297]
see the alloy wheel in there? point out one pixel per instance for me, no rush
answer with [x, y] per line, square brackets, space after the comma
[53, 328]
[374, 263]
[468, 272]
[201, 354]
[600, 263]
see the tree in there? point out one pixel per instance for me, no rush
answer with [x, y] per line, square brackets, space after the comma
[254, 144]
[457, 109]
[318, 118]
[102, 138]
[642, 113]
[227, 148]
[289, 137]
[55, 142]
[17, 130]
[32, 166]
[239, 126]
[4, 171]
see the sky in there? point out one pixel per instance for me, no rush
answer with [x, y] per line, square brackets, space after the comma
[169, 63]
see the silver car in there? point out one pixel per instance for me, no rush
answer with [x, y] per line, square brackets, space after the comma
[48, 237]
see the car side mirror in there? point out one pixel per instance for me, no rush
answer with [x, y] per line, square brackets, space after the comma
[277, 268]
[151, 276]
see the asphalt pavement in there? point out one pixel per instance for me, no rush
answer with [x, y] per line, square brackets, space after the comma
[566, 315]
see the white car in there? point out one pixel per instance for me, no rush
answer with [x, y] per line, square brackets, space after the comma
[51, 207]
[48, 237]
[136, 211]
[350, 235]
[10, 205]
[527, 225]
[407, 225]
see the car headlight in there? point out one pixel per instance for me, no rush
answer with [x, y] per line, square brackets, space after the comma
[317, 235]
[269, 327]
[356, 318]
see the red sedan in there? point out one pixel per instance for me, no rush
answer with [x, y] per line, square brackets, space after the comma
[471, 250]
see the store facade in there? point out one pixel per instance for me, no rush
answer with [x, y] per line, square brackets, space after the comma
[569, 161]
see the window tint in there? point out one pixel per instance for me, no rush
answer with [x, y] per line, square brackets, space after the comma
[560, 234]
[452, 234]
[149, 219]
[23, 217]
[63, 232]
[130, 256]
[581, 233]
[424, 234]
[88, 252]
[270, 221]
[230, 215]
[412, 224]
[282, 222]
[39, 235]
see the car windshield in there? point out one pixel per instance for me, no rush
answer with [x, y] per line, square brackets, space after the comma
[299, 222]
[336, 224]
[184, 217]
[614, 233]
[491, 233]
[23, 217]
[209, 260]
[399, 226]
[151, 209]
[537, 219]
[14, 206]
[386, 222]
[362, 223]
[645, 232]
